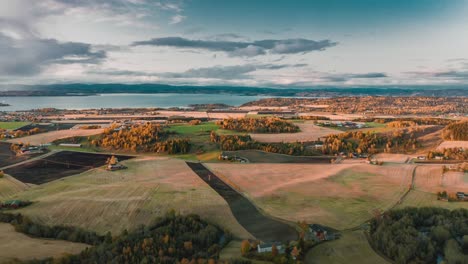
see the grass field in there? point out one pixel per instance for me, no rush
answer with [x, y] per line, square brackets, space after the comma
[9, 186]
[352, 247]
[340, 195]
[17, 246]
[199, 135]
[100, 200]
[12, 125]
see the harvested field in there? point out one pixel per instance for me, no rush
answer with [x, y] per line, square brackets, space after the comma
[309, 132]
[7, 157]
[58, 165]
[432, 178]
[17, 246]
[353, 245]
[393, 158]
[339, 195]
[257, 156]
[48, 137]
[262, 227]
[453, 144]
[417, 198]
[103, 201]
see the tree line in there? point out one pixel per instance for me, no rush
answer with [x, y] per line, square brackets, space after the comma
[422, 235]
[258, 125]
[368, 142]
[146, 137]
[170, 239]
[25, 225]
[243, 142]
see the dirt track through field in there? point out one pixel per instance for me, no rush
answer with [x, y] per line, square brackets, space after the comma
[259, 225]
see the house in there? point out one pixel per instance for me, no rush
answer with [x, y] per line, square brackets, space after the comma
[462, 196]
[114, 167]
[421, 157]
[318, 146]
[268, 247]
[319, 233]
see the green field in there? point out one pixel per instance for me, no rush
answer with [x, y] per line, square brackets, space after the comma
[352, 247]
[13, 125]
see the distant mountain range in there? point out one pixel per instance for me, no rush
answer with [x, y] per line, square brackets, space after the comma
[79, 89]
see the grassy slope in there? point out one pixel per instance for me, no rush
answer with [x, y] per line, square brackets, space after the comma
[14, 245]
[352, 247]
[9, 187]
[100, 200]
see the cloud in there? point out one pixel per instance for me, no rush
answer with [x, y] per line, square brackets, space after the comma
[240, 48]
[452, 74]
[177, 19]
[235, 72]
[24, 57]
[350, 76]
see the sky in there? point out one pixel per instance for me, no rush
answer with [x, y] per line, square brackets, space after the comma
[281, 43]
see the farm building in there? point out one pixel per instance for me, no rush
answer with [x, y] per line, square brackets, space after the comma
[114, 167]
[320, 233]
[461, 196]
[268, 247]
[72, 145]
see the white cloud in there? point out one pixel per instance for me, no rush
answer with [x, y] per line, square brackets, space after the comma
[177, 19]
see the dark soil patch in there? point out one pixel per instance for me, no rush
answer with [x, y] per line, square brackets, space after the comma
[59, 165]
[256, 156]
[260, 226]
[8, 157]
[47, 127]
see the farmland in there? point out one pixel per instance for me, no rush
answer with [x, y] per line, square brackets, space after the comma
[12, 125]
[17, 246]
[9, 186]
[308, 132]
[103, 201]
[48, 137]
[7, 157]
[432, 178]
[340, 195]
[352, 245]
[58, 165]
[257, 156]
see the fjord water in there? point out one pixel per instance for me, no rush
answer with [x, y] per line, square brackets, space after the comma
[163, 100]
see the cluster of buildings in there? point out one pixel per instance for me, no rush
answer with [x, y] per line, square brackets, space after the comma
[344, 124]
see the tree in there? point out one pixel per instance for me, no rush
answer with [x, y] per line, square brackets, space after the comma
[295, 252]
[274, 250]
[245, 247]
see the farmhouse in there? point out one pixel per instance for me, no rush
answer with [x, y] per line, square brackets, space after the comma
[29, 150]
[268, 247]
[320, 233]
[114, 167]
[461, 196]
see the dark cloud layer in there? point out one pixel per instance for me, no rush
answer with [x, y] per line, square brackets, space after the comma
[24, 57]
[239, 48]
[347, 77]
[234, 72]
